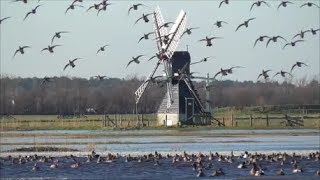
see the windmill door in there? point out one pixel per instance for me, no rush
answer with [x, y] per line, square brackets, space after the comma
[189, 109]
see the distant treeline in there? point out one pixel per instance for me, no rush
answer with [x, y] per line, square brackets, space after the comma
[64, 95]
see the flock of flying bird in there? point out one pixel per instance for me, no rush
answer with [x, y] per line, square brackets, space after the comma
[145, 17]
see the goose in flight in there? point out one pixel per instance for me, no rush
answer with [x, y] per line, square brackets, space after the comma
[301, 34]
[102, 48]
[283, 74]
[99, 77]
[135, 59]
[4, 19]
[275, 39]
[24, 1]
[58, 35]
[135, 7]
[223, 72]
[309, 4]
[144, 17]
[219, 23]
[72, 6]
[298, 64]
[104, 8]
[145, 36]
[95, 6]
[224, 1]
[292, 43]
[50, 48]
[205, 59]
[33, 11]
[258, 4]
[261, 39]
[188, 31]
[284, 4]
[264, 74]
[166, 24]
[245, 23]
[71, 63]
[209, 40]
[314, 31]
[20, 49]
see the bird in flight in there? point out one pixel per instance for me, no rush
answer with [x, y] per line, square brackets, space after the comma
[20, 49]
[258, 4]
[188, 31]
[223, 72]
[58, 35]
[135, 59]
[50, 48]
[301, 34]
[135, 7]
[104, 7]
[102, 48]
[144, 17]
[309, 4]
[298, 64]
[4, 19]
[205, 59]
[209, 40]
[24, 1]
[314, 31]
[261, 39]
[264, 74]
[275, 39]
[33, 11]
[99, 77]
[292, 43]
[219, 23]
[283, 74]
[95, 6]
[46, 80]
[71, 63]
[165, 24]
[245, 23]
[145, 36]
[224, 1]
[72, 6]
[284, 4]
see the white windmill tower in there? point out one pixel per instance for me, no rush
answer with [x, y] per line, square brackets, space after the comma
[167, 42]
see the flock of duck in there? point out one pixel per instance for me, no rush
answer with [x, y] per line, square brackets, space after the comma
[102, 6]
[202, 164]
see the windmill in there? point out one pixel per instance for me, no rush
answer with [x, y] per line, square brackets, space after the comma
[173, 62]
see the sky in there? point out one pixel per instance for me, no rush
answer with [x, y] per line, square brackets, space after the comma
[114, 27]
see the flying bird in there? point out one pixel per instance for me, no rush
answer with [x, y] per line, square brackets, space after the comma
[275, 39]
[283, 74]
[99, 77]
[224, 1]
[264, 74]
[188, 31]
[205, 59]
[223, 72]
[33, 11]
[301, 34]
[135, 59]
[72, 6]
[71, 63]
[135, 7]
[102, 48]
[46, 80]
[298, 64]
[95, 6]
[145, 36]
[50, 48]
[261, 39]
[209, 40]
[309, 4]
[4, 19]
[258, 4]
[245, 23]
[24, 1]
[104, 8]
[314, 31]
[284, 4]
[58, 35]
[21, 50]
[166, 24]
[144, 17]
[292, 43]
[219, 23]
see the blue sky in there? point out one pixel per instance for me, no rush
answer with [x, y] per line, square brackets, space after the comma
[115, 27]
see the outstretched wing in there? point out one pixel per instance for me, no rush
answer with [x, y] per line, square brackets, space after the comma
[15, 53]
[256, 42]
[129, 63]
[304, 5]
[152, 57]
[36, 7]
[253, 5]
[268, 42]
[27, 15]
[282, 38]
[286, 45]
[293, 67]
[129, 10]
[266, 3]
[138, 20]
[139, 56]
[44, 49]
[141, 39]
[239, 26]
[53, 38]
[300, 40]
[221, 3]
[259, 76]
[66, 66]
[217, 74]
[276, 74]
